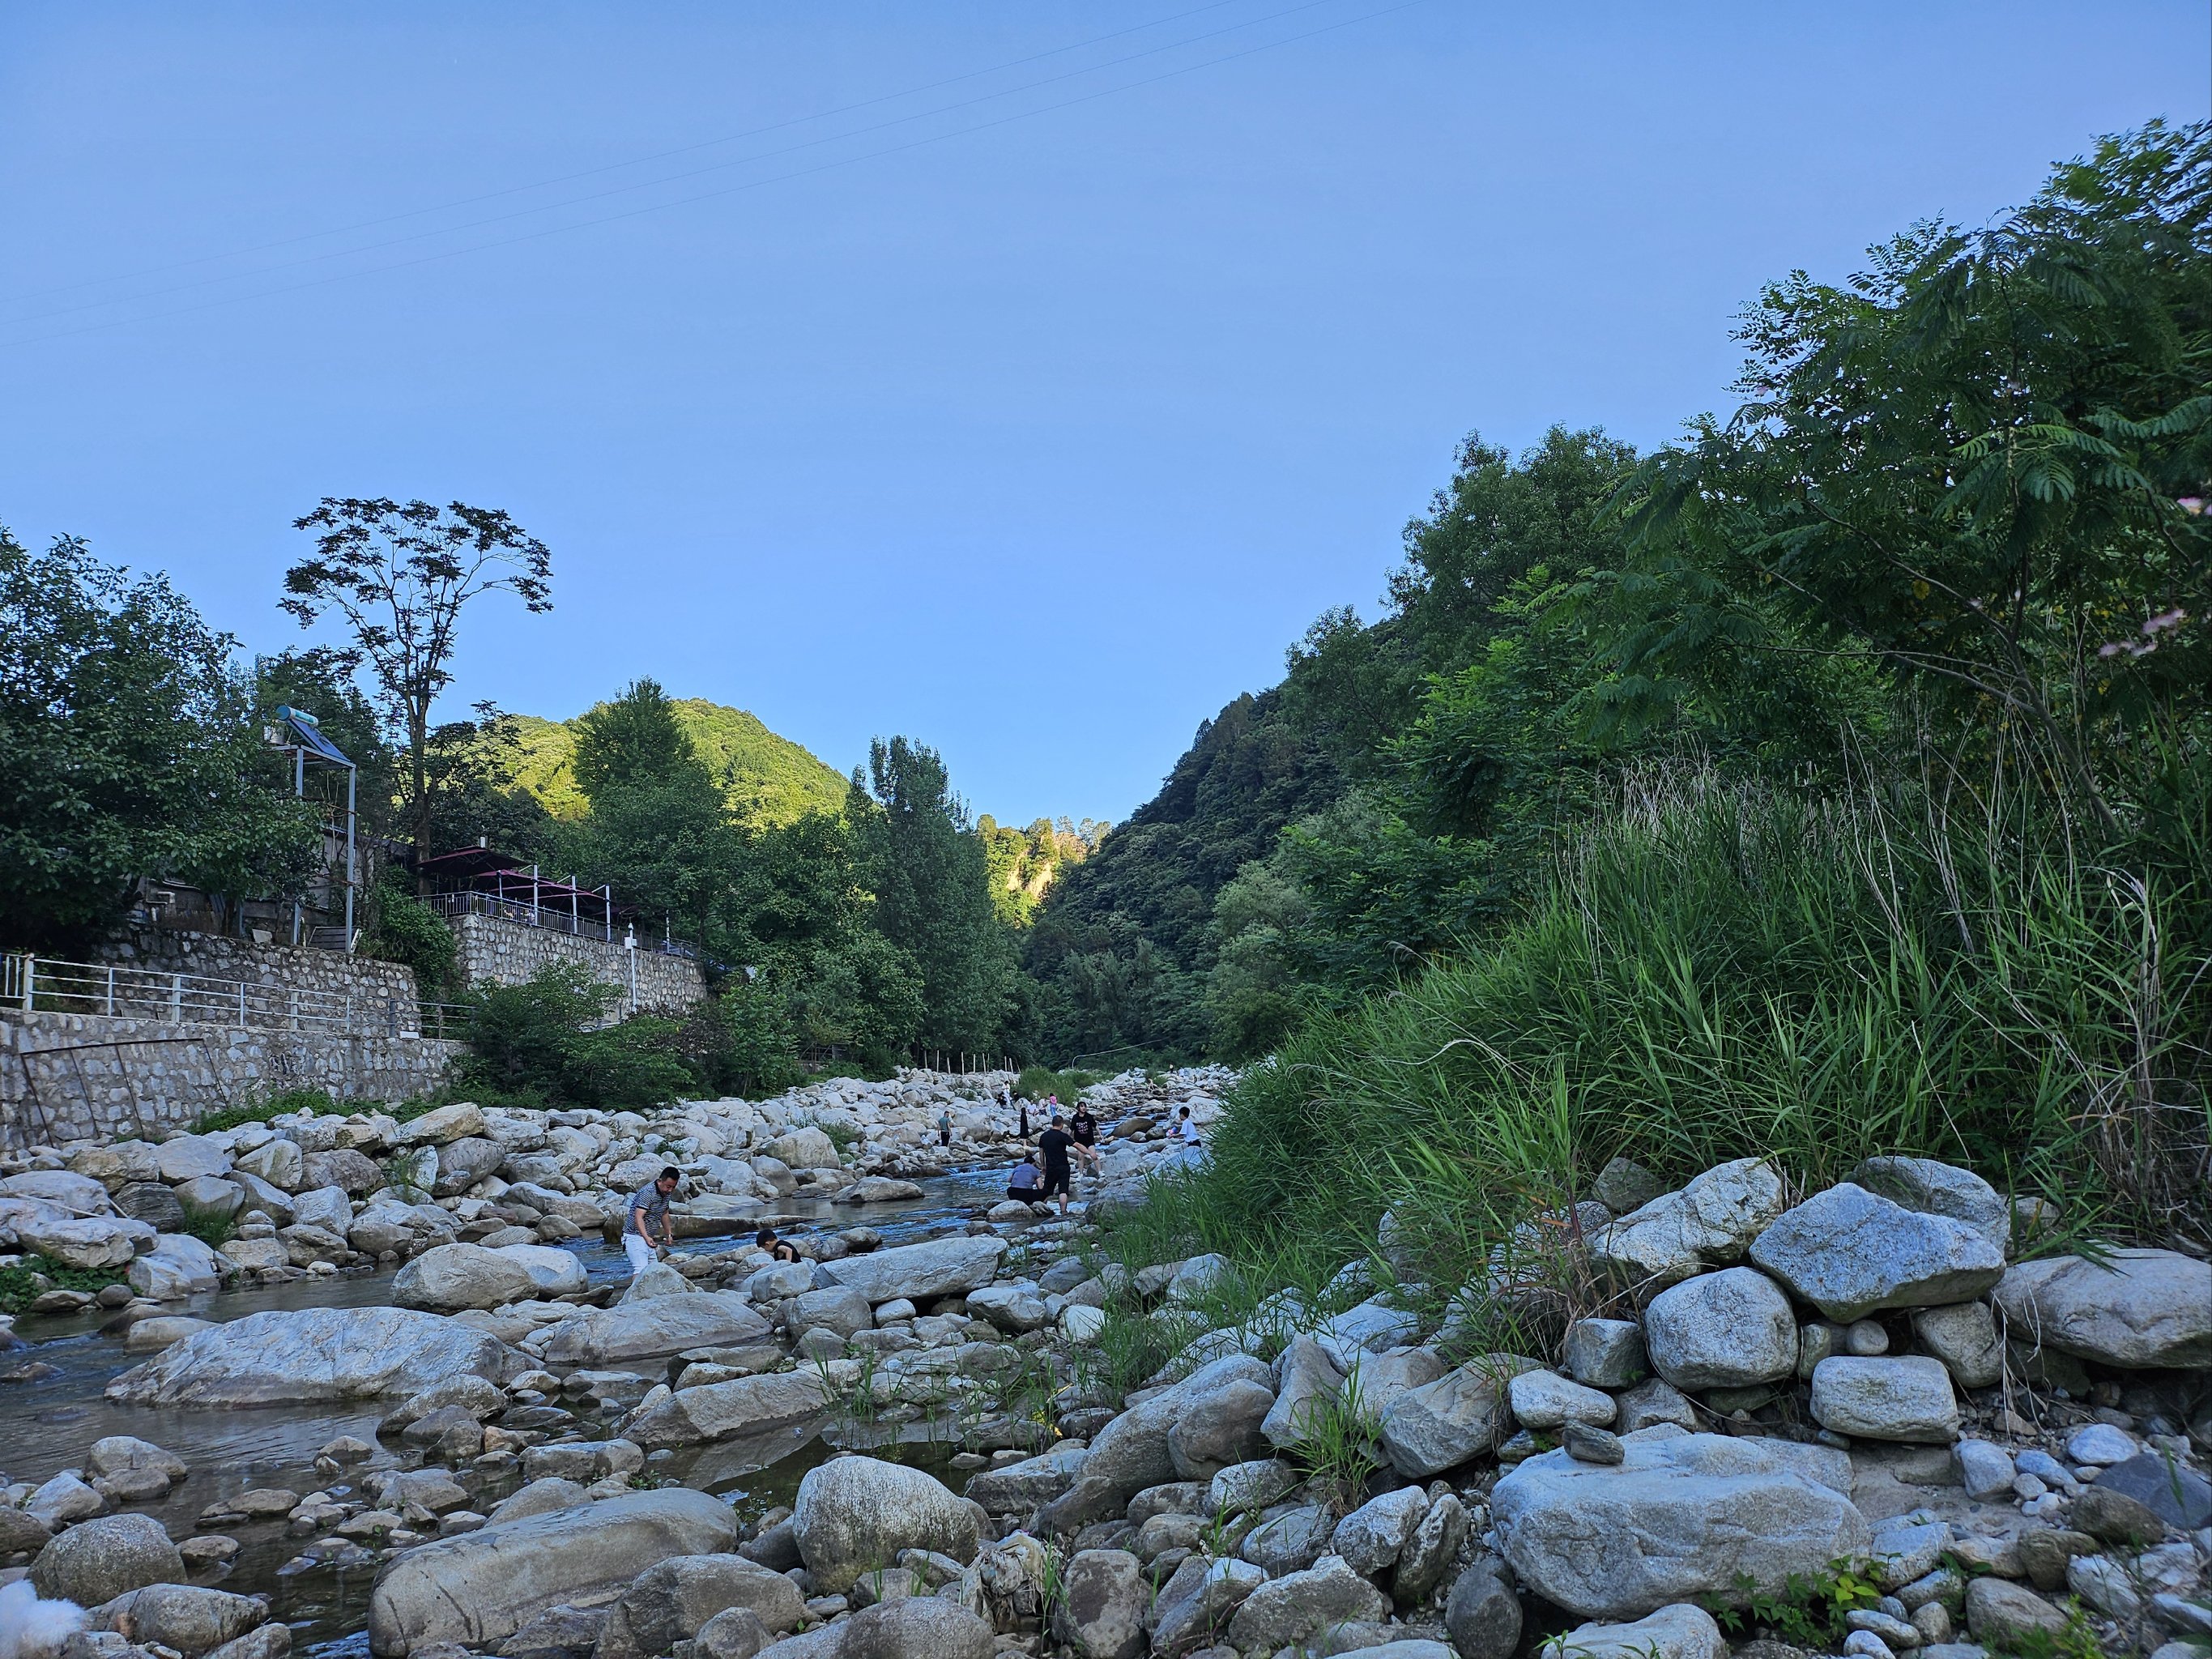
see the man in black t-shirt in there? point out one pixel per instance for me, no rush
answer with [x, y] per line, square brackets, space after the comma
[1083, 1128]
[1054, 1144]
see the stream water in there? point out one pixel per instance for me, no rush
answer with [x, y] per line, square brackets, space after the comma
[51, 1422]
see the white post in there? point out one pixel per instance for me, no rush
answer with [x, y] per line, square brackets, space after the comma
[241, 1002]
[111, 990]
[177, 999]
[30, 977]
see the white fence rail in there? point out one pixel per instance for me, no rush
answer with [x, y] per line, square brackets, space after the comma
[30, 984]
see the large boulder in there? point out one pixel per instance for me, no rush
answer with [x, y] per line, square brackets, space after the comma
[1133, 1451]
[300, 1355]
[1307, 1383]
[2137, 1309]
[1200, 1600]
[185, 1158]
[462, 1163]
[652, 1328]
[840, 1308]
[1724, 1330]
[1680, 1631]
[553, 1270]
[1885, 1399]
[121, 1164]
[444, 1124]
[1220, 1428]
[99, 1560]
[1963, 1336]
[1101, 1611]
[1461, 1415]
[323, 1206]
[1922, 1183]
[726, 1410]
[153, 1203]
[1301, 1605]
[342, 1167]
[277, 1161]
[914, 1627]
[1850, 1253]
[186, 1617]
[1684, 1517]
[78, 1195]
[93, 1243]
[178, 1266]
[450, 1278]
[807, 1148]
[920, 1272]
[673, 1598]
[481, 1587]
[854, 1513]
[1017, 1488]
[1709, 1224]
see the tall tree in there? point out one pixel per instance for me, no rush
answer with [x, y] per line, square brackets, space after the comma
[128, 748]
[1982, 463]
[400, 574]
[634, 742]
[932, 893]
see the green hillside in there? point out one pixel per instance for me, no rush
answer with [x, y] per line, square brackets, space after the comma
[771, 775]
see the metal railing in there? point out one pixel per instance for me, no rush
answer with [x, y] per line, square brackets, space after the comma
[473, 903]
[32, 984]
[554, 920]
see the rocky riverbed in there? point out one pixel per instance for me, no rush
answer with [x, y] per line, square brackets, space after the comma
[1875, 1419]
[257, 1408]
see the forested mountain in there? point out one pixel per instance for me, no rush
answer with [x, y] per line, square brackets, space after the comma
[1121, 945]
[1886, 542]
[764, 776]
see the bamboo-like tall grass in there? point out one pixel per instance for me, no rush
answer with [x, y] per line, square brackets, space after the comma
[1721, 970]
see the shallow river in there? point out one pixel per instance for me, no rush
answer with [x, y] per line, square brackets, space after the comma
[50, 1423]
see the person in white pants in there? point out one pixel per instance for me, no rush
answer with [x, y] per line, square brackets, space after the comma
[648, 1208]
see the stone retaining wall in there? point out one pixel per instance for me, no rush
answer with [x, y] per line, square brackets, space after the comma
[495, 952]
[383, 990]
[74, 1077]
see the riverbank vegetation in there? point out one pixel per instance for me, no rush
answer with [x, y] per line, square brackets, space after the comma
[1833, 781]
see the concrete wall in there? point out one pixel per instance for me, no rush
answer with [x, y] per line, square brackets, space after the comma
[72, 1076]
[495, 951]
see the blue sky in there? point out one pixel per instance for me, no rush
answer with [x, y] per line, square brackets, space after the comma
[1032, 414]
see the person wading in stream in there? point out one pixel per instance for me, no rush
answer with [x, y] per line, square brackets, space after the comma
[648, 1207]
[1054, 1144]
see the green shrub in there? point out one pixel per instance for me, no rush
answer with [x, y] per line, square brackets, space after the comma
[281, 1104]
[20, 1286]
[542, 1042]
[1039, 1083]
[401, 928]
[744, 1040]
[1719, 972]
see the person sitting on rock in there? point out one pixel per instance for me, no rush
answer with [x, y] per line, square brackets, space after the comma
[648, 1207]
[1083, 1128]
[1025, 1185]
[779, 1249]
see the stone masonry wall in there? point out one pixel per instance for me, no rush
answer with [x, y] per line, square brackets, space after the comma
[74, 1076]
[495, 951]
[382, 994]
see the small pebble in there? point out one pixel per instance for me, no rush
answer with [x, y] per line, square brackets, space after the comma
[1586, 1443]
[1866, 1338]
